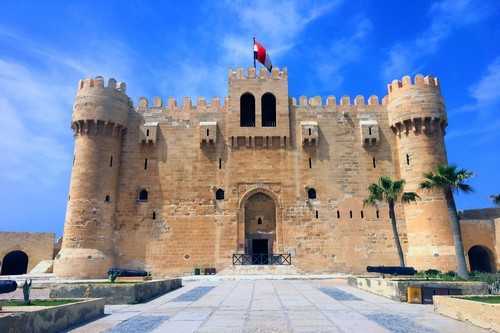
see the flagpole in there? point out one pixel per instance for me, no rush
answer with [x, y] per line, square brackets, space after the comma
[253, 51]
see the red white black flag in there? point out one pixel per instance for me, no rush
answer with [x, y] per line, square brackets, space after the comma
[259, 53]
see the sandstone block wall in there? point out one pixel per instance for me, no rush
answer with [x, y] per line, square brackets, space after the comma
[37, 246]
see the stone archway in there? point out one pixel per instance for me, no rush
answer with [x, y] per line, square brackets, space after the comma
[15, 263]
[481, 259]
[259, 223]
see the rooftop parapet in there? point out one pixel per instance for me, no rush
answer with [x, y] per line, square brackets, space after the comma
[97, 102]
[316, 102]
[187, 105]
[252, 73]
[406, 83]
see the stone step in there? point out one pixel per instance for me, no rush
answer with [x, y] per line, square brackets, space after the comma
[260, 270]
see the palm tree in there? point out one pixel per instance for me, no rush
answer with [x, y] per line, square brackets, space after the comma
[496, 199]
[451, 180]
[390, 191]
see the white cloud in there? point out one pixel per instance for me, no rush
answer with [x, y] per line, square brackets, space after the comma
[487, 90]
[445, 17]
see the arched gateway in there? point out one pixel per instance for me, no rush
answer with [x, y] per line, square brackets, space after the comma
[15, 263]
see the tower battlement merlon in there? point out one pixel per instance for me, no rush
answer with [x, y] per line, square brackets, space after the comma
[331, 101]
[215, 105]
[262, 74]
[415, 105]
[98, 106]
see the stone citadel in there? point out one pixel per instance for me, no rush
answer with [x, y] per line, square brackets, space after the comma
[168, 187]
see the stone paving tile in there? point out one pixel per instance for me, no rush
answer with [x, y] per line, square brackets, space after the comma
[339, 294]
[178, 326]
[139, 323]
[193, 294]
[348, 320]
[192, 313]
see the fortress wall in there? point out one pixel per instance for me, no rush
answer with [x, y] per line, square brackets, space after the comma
[38, 246]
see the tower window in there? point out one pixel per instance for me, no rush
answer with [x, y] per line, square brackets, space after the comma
[259, 221]
[143, 195]
[111, 161]
[311, 194]
[154, 215]
[310, 132]
[145, 163]
[220, 163]
[350, 214]
[268, 110]
[317, 214]
[407, 159]
[374, 163]
[369, 130]
[378, 214]
[247, 110]
[362, 215]
[208, 132]
[338, 214]
[147, 132]
[107, 198]
[219, 194]
[310, 163]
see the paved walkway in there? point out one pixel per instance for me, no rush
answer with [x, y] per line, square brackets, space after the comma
[273, 306]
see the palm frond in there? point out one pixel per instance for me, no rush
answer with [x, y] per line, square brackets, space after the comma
[409, 197]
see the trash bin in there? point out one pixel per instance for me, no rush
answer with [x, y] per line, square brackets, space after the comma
[414, 295]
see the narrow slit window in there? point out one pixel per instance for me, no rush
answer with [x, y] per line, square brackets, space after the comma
[145, 163]
[362, 215]
[208, 132]
[147, 132]
[338, 214]
[369, 130]
[377, 213]
[374, 163]
[350, 214]
[110, 161]
[317, 214]
[310, 132]
[407, 159]
[220, 163]
[154, 215]
[310, 163]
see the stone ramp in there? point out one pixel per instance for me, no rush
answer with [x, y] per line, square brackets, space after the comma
[44, 266]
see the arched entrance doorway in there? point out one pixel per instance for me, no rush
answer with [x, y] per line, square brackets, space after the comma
[260, 225]
[15, 263]
[480, 259]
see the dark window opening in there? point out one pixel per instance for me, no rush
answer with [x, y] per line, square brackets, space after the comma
[208, 132]
[110, 161]
[259, 221]
[145, 163]
[378, 214]
[338, 214]
[154, 215]
[367, 141]
[369, 130]
[147, 132]
[350, 214]
[220, 163]
[407, 159]
[310, 132]
[310, 163]
[317, 214]
[143, 195]
[362, 215]
[219, 194]
[247, 110]
[107, 198]
[268, 110]
[311, 194]
[374, 163]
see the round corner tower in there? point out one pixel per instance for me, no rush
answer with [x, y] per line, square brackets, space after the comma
[99, 120]
[417, 117]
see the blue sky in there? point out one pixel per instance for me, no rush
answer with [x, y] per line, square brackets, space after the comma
[185, 49]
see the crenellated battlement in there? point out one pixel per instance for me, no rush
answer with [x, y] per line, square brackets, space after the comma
[217, 104]
[262, 74]
[98, 82]
[419, 81]
[332, 102]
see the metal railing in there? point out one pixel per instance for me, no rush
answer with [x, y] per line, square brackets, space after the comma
[262, 259]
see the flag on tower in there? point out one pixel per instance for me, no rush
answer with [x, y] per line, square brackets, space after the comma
[259, 53]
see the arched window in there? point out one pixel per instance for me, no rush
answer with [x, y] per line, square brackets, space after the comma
[107, 198]
[219, 194]
[268, 110]
[15, 263]
[247, 110]
[311, 193]
[143, 195]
